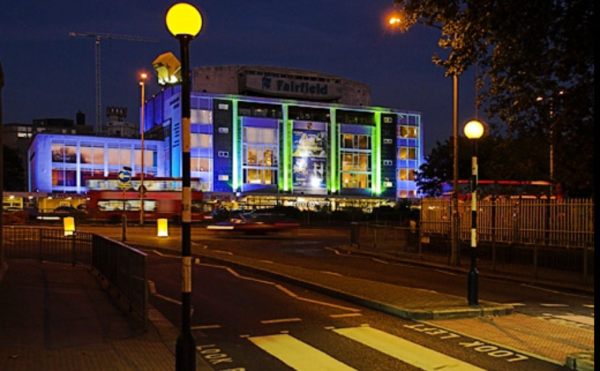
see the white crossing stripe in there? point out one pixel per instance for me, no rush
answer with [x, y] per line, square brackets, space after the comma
[575, 318]
[404, 350]
[297, 354]
[589, 305]
[280, 320]
[553, 305]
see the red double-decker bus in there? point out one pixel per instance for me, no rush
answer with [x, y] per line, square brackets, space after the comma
[162, 199]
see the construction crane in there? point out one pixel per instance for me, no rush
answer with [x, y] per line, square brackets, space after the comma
[98, 37]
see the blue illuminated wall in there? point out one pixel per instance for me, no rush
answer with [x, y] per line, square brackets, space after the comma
[222, 157]
[62, 163]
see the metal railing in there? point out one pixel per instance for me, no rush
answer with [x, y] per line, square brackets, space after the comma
[125, 268]
[49, 244]
[122, 266]
[559, 223]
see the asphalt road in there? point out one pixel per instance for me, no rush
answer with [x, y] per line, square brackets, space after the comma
[245, 322]
[239, 315]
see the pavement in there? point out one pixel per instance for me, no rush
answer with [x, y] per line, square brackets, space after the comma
[55, 316]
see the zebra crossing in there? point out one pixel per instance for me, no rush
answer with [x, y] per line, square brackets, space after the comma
[300, 352]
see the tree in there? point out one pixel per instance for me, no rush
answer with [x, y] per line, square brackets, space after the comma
[14, 174]
[500, 157]
[535, 63]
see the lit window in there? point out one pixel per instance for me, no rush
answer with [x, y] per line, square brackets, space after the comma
[407, 153]
[201, 141]
[406, 131]
[406, 174]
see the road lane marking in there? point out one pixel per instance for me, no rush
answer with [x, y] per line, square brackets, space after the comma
[553, 305]
[516, 304]
[445, 272]
[380, 261]
[280, 320]
[337, 252]
[166, 255]
[332, 273]
[297, 354]
[554, 291]
[280, 288]
[343, 315]
[404, 350]
[205, 327]
[153, 292]
[266, 261]
[589, 306]
[223, 252]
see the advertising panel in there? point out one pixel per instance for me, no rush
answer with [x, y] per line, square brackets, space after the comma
[309, 153]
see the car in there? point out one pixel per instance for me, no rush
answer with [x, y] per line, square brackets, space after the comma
[254, 223]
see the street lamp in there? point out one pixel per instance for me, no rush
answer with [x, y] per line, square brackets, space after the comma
[185, 22]
[397, 19]
[143, 76]
[473, 130]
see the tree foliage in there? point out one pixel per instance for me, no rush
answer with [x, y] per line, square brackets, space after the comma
[500, 157]
[536, 63]
[14, 174]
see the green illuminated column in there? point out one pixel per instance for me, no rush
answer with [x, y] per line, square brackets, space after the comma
[332, 183]
[376, 155]
[286, 163]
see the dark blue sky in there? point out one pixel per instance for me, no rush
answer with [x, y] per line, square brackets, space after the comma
[49, 74]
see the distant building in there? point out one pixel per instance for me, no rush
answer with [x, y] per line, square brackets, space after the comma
[117, 125]
[18, 136]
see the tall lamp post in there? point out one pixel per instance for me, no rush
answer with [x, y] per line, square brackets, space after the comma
[143, 76]
[396, 20]
[1, 176]
[185, 22]
[473, 130]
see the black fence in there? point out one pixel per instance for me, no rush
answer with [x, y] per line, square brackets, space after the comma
[538, 261]
[125, 268]
[121, 266]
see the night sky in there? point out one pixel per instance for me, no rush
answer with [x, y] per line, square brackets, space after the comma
[49, 74]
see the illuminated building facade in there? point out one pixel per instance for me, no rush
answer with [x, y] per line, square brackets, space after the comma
[270, 146]
[256, 133]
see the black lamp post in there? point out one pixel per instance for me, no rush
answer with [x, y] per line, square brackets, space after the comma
[473, 130]
[185, 22]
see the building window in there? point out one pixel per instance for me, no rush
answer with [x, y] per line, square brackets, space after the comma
[260, 155]
[405, 131]
[200, 164]
[148, 158]
[64, 153]
[92, 154]
[62, 177]
[355, 154]
[350, 180]
[407, 153]
[199, 116]
[119, 156]
[406, 174]
[201, 141]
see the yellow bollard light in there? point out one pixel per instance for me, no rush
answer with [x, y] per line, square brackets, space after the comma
[69, 225]
[162, 227]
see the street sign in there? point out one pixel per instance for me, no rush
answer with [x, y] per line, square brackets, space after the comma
[125, 178]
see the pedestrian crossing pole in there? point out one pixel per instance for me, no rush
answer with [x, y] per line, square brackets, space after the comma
[185, 22]
[473, 130]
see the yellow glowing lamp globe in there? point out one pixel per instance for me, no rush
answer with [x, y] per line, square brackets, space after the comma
[474, 129]
[184, 19]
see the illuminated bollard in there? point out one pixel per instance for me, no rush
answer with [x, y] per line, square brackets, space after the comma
[69, 225]
[162, 227]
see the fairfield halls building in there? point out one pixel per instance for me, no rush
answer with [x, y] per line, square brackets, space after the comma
[263, 136]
